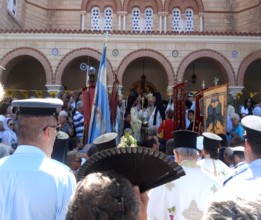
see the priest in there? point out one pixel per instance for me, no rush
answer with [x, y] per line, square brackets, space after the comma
[187, 197]
[210, 162]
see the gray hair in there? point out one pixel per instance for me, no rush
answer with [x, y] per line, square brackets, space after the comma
[228, 151]
[187, 152]
[79, 104]
[235, 116]
[152, 131]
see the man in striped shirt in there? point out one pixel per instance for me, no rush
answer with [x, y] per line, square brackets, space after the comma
[78, 119]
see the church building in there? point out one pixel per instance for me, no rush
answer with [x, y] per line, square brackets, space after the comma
[47, 44]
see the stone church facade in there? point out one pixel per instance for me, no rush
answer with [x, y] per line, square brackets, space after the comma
[49, 43]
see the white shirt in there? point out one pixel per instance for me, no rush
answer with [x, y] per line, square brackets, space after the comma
[247, 172]
[244, 110]
[216, 168]
[185, 198]
[33, 186]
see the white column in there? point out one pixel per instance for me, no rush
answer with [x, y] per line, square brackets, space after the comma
[165, 23]
[119, 22]
[142, 26]
[83, 13]
[82, 22]
[201, 25]
[101, 21]
[54, 88]
[233, 90]
[160, 23]
[183, 22]
[124, 22]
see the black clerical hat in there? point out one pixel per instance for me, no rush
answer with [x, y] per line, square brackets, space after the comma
[106, 141]
[252, 125]
[37, 107]
[185, 138]
[143, 167]
[211, 140]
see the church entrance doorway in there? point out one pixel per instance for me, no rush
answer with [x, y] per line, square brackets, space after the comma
[145, 75]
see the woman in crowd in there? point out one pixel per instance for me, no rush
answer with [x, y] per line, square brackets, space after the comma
[237, 129]
[248, 107]
[167, 126]
[65, 123]
[9, 136]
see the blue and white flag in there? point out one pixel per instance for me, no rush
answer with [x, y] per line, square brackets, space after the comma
[100, 116]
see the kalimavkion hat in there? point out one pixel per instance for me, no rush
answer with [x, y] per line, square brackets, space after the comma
[37, 107]
[143, 167]
[211, 140]
[252, 125]
[106, 141]
[185, 138]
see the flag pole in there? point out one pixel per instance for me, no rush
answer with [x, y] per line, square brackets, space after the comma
[107, 35]
[100, 114]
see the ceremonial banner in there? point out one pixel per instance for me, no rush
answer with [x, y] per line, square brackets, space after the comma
[179, 106]
[198, 124]
[113, 100]
[100, 116]
[215, 109]
[88, 95]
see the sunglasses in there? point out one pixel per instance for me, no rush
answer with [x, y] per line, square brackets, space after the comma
[10, 124]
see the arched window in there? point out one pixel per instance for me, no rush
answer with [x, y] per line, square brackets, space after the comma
[107, 21]
[95, 19]
[189, 20]
[148, 19]
[136, 21]
[176, 20]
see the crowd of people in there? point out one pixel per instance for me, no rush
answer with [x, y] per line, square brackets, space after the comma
[42, 149]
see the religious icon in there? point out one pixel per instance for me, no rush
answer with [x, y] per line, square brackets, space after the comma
[215, 106]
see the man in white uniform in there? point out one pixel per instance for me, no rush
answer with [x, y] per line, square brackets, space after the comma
[189, 196]
[211, 163]
[242, 196]
[32, 185]
[239, 162]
